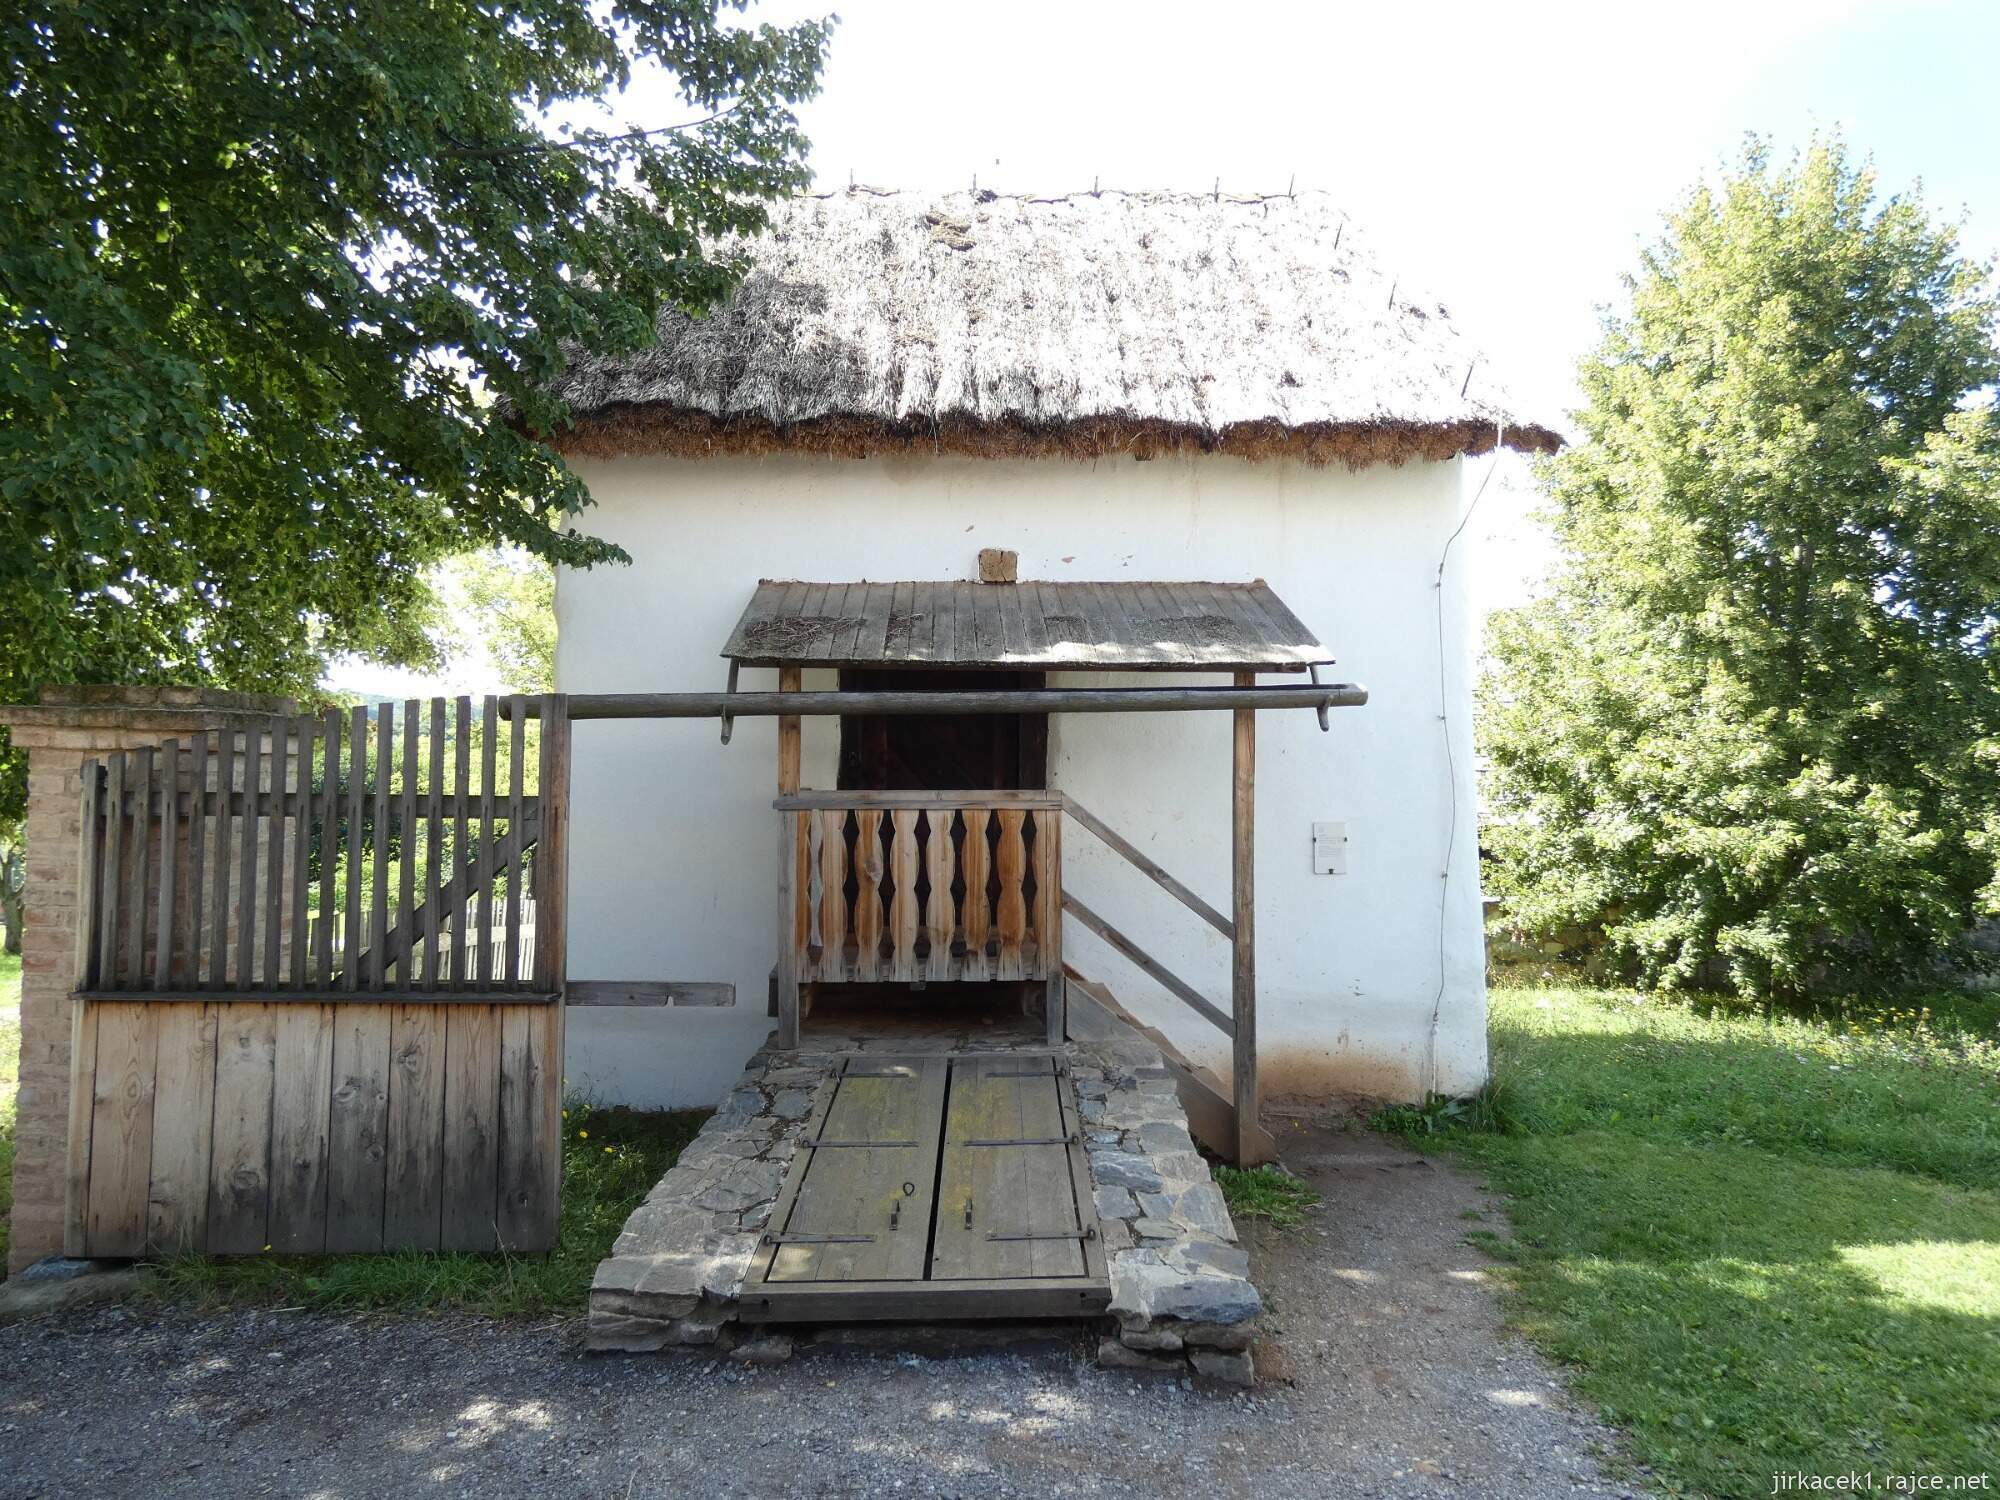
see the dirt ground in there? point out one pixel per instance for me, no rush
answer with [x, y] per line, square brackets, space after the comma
[1384, 1373]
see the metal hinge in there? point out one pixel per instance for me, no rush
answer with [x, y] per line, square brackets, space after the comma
[819, 1239]
[1072, 1234]
[819, 1143]
[1030, 1140]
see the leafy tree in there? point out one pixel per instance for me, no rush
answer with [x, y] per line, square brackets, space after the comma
[282, 288]
[500, 606]
[1753, 731]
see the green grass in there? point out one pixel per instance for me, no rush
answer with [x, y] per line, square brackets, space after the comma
[611, 1159]
[1765, 1244]
[10, 1077]
[1268, 1193]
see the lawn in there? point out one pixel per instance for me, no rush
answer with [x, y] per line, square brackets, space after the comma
[10, 1077]
[1765, 1245]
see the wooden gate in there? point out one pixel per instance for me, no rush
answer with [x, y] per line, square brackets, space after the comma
[392, 1082]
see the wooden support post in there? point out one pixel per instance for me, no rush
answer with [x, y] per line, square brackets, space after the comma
[791, 875]
[1048, 825]
[1243, 951]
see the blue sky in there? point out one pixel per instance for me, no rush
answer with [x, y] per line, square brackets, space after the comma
[1510, 159]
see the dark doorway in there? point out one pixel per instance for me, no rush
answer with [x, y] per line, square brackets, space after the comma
[948, 752]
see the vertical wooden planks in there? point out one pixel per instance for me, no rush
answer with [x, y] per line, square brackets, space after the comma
[140, 859]
[356, 806]
[378, 904]
[868, 895]
[940, 923]
[183, 1127]
[833, 859]
[239, 1182]
[517, 717]
[406, 835]
[434, 865]
[121, 1127]
[246, 878]
[89, 849]
[1243, 914]
[197, 855]
[274, 834]
[164, 926]
[975, 858]
[218, 916]
[82, 1100]
[552, 847]
[301, 1111]
[461, 864]
[471, 1128]
[903, 913]
[1011, 915]
[530, 1125]
[329, 849]
[413, 1199]
[358, 1127]
[482, 910]
[111, 873]
[1048, 937]
[790, 905]
[302, 759]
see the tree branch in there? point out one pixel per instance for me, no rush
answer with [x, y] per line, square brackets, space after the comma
[542, 147]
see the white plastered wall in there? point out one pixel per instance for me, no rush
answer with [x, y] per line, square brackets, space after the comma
[674, 846]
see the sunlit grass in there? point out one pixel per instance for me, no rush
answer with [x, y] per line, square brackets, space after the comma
[1766, 1243]
[1268, 1193]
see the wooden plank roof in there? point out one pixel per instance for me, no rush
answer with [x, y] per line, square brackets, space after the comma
[1152, 626]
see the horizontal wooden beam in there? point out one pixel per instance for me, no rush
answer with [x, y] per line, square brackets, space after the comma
[263, 804]
[998, 701]
[151, 996]
[811, 801]
[649, 992]
[1150, 965]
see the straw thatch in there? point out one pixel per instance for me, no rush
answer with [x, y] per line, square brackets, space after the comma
[1074, 326]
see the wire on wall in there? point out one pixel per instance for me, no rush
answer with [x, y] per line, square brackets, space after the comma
[1450, 759]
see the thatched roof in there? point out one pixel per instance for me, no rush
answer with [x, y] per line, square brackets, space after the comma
[1082, 325]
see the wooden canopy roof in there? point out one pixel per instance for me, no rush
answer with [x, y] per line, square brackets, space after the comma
[1130, 626]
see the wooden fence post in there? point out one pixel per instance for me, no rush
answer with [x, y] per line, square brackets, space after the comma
[1243, 917]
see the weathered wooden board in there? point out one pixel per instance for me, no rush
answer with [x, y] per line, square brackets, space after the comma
[935, 1187]
[862, 1210]
[242, 1128]
[1130, 626]
[1004, 1181]
[358, 1127]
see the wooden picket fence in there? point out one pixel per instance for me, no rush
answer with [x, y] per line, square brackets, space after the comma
[311, 1016]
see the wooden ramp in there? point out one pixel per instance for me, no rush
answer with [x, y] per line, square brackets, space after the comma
[935, 1187]
[1095, 1011]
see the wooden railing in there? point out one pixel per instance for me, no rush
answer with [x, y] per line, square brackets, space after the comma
[906, 887]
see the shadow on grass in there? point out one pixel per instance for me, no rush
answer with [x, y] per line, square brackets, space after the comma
[611, 1160]
[1768, 1245]
[1742, 1313]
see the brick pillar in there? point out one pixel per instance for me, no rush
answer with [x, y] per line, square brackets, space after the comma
[68, 727]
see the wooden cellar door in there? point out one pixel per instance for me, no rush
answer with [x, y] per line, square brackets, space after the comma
[934, 1187]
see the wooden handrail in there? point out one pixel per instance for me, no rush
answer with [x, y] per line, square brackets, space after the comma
[1153, 968]
[1149, 868]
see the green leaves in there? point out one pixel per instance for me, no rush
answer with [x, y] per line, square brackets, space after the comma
[1742, 740]
[282, 290]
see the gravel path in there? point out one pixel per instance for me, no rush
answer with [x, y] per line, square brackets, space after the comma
[1384, 1374]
